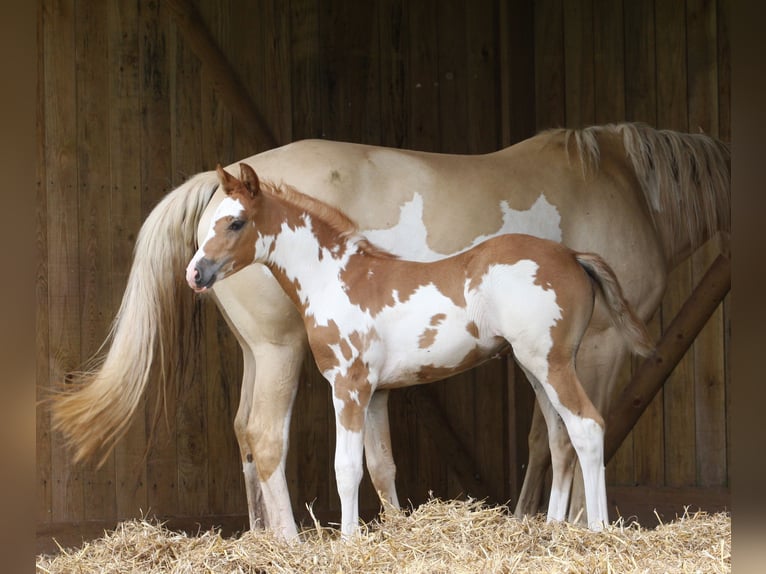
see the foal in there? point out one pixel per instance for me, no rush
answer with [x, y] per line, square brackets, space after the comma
[377, 322]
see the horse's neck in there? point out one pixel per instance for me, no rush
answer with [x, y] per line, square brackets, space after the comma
[305, 253]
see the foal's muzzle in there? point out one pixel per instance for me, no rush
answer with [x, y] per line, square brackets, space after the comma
[202, 274]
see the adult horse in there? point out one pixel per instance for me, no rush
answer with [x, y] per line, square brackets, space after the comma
[375, 321]
[642, 198]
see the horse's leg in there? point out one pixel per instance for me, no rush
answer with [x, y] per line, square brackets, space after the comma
[273, 340]
[349, 450]
[562, 453]
[555, 374]
[377, 449]
[586, 431]
[252, 487]
[268, 428]
[539, 459]
[599, 363]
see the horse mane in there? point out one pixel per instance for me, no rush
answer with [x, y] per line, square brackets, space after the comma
[338, 221]
[684, 177]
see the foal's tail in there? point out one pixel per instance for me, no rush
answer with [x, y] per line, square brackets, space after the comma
[150, 324]
[620, 312]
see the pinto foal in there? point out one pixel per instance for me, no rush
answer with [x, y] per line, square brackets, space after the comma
[377, 322]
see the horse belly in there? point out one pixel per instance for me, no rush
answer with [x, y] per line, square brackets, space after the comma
[439, 344]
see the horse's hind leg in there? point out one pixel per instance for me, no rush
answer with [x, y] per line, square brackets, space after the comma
[584, 425]
[586, 432]
[538, 462]
[377, 449]
[599, 363]
[562, 453]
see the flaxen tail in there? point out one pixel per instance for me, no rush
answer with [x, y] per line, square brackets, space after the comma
[148, 331]
[620, 311]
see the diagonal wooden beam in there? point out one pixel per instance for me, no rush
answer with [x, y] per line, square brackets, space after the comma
[676, 340]
[222, 74]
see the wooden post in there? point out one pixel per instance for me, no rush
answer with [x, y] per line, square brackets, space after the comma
[223, 76]
[678, 337]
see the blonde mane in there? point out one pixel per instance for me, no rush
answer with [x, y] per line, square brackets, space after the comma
[338, 221]
[684, 177]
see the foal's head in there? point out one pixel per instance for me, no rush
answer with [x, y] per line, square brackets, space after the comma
[230, 244]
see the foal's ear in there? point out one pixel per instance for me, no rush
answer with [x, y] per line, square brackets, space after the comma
[249, 179]
[228, 182]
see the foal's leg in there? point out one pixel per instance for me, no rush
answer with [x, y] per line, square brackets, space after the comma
[599, 361]
[377, 449]
[586, 431]
[562, 453]
[350, 414]
[599, 364]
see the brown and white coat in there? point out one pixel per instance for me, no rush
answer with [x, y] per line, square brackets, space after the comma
[378, 322]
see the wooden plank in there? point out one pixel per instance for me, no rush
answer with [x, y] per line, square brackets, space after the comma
[641, 105]
[424, 76]
[723, 20]
[223, 77]
[305, 62]
[155, 146]
[483, 129]
[517, 71]
[187, 159]
[578, 63]
[67, 496]
[453, 76]
[619, 470]
[394, 73]
[349, 71]
[709, 387]
[490, 441]
[43, 495]
[670, 25]
[222, 356]
[724, 132]
[96, 309]
[609, 61]
[450, 442]
[125, 200]
[644, 504]
[550, 92]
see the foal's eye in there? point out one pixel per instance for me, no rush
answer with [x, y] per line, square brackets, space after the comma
[236, 225]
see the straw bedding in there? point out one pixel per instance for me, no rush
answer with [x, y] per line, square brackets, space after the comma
[439, 536]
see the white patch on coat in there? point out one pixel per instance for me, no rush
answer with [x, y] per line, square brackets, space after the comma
[409, 236]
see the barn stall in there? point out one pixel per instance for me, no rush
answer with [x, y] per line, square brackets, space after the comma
[137, 96]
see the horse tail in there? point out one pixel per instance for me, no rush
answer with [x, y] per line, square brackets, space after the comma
[621, 313]
[685, 178]
[151, 323]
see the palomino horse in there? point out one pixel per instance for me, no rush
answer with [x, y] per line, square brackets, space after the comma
[641, 198]
[378, 322]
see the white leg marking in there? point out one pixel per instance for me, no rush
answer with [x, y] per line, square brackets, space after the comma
[588, 440]
[277, 502]
[254, 494]
[349, 450]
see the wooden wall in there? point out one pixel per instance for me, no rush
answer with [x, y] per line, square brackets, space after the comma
[126, 112]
